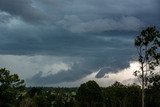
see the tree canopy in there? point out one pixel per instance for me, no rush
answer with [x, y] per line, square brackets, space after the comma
[89, 92]
[10, 87]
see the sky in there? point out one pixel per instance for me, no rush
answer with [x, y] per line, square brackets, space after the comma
[68, 42]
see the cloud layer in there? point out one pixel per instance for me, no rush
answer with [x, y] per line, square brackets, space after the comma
[74, 24]
[64, 41]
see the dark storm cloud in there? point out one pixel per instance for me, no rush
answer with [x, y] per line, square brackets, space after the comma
[23, 9]
[95, 54]
[96, 50]
[100, 33]
[87, 66]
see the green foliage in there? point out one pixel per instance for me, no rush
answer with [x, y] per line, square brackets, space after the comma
[10, 88]
[154, 82]
[27, 102]
[34, 91]
[41, 100]
[89, 92]
[148, 48]
[153, 91]
[119, 95]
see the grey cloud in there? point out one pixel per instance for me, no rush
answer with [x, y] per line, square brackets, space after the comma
[4, 17]
[124, 7]
[51, 11]
[49, 42]
[105, 49]
[23, 9]
[81, 70]
[90, 62]
[76, 25]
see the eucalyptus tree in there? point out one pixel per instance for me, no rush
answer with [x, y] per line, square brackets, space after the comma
[148, 49]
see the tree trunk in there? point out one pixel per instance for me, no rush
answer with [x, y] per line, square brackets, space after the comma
[143, 86]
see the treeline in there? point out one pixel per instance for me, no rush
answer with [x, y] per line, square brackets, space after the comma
[119, 95]
[13, 93]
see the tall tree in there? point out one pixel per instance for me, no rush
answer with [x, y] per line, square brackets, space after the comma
[10, 88]
[147, 44]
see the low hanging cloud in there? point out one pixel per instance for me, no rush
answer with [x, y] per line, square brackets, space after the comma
[86, 66]
[76, 25]
[27, 66]
[124, 76]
